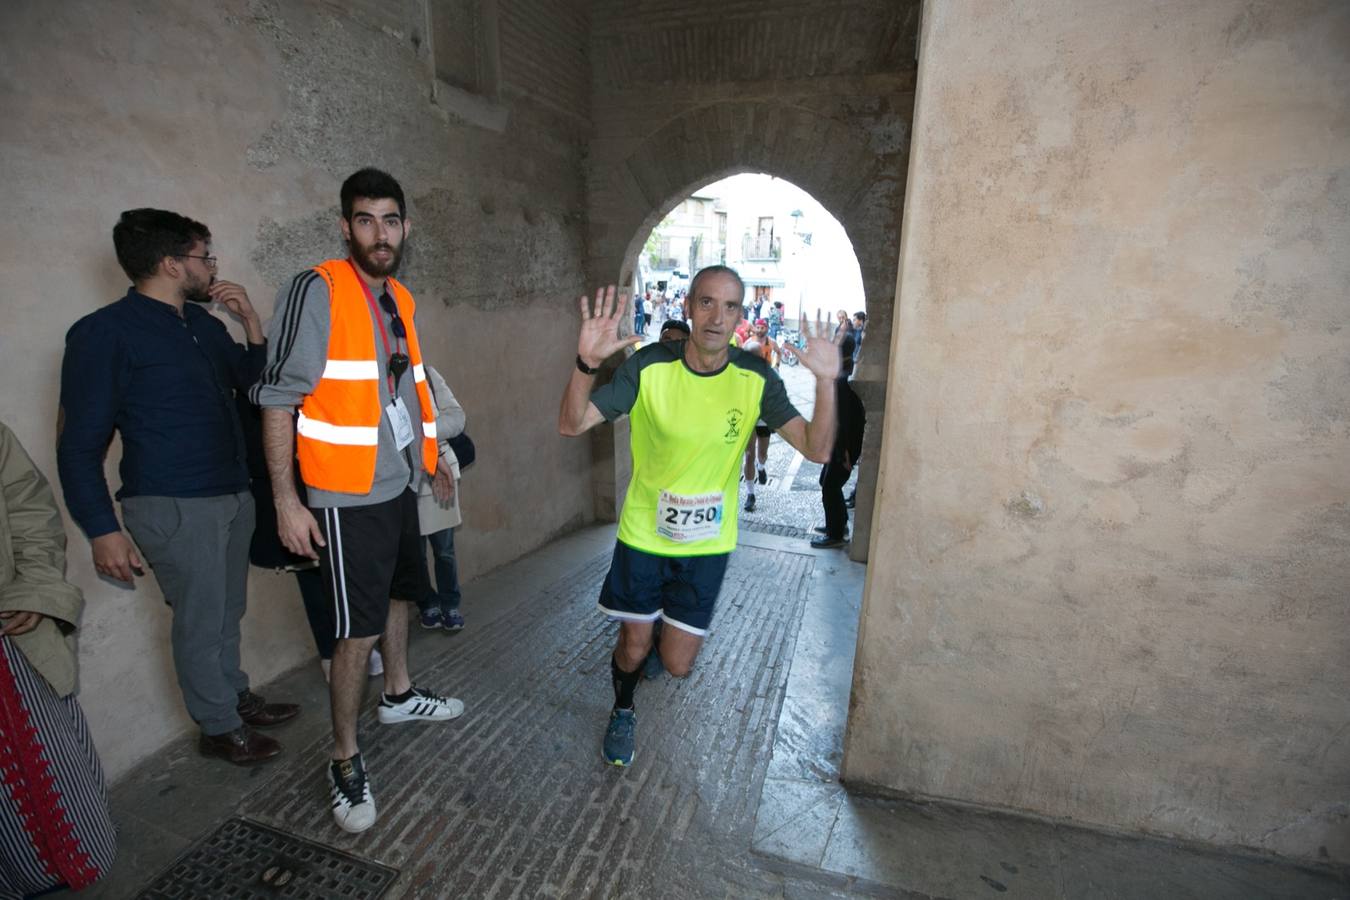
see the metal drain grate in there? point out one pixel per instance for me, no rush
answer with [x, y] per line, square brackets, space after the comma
[244, 860]
[791, 531]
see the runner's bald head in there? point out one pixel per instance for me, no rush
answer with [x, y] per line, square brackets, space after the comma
[711, 271]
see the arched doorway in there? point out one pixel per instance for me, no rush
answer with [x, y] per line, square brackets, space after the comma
[797, 262]
[859, 181]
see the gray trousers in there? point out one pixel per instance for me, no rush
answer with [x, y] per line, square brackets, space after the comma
[198, 549]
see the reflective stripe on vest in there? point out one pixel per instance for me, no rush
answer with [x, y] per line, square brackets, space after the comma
[351, 370]
[337, 433]
[350, 435]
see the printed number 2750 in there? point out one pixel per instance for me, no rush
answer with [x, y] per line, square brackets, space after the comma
[691, 516]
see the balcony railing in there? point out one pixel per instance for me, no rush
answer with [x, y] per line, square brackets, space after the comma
[761, 248]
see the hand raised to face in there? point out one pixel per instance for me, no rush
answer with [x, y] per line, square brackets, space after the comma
[233, 297]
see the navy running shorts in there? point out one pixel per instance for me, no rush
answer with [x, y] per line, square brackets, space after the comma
[682, 590]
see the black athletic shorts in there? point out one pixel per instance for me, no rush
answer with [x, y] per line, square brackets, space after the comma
[763, 430]
[374, 553]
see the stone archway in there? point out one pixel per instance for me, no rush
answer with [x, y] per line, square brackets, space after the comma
[837, 158]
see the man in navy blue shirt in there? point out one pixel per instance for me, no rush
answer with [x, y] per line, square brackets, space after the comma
[160, 370]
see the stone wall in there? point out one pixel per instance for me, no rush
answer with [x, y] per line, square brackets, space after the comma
[1111, 564]
[247, 116]
[818, 93]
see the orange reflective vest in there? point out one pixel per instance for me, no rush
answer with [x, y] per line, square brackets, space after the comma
[338, 430]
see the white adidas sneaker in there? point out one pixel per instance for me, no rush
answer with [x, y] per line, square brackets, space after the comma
[422, 706]
[349, 789]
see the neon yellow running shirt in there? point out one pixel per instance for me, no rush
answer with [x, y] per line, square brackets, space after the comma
[689, 432]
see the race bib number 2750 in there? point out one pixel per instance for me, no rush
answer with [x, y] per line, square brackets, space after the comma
[684, 518]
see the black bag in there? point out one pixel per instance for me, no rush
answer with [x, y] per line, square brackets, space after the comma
[462, 444]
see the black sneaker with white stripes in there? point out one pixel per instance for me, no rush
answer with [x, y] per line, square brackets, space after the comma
[421, 706]
[353, 805]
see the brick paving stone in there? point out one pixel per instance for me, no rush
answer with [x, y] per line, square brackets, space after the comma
[514, 800]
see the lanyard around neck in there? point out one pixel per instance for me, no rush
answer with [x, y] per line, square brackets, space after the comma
[379, 320]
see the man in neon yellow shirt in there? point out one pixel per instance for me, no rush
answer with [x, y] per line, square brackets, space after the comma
[693, 405]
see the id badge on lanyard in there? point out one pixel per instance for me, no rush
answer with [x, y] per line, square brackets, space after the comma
[401, 422]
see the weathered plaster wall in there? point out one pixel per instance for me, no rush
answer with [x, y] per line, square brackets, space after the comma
[818, 93]
[247, 115]
[1110, 576]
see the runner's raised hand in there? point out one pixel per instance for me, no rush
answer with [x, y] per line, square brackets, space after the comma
[600, 337]
[821, 354]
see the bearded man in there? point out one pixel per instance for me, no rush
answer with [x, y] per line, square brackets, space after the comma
[159, 369]
[344, 392]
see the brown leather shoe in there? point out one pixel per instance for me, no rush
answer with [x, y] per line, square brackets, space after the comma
[243, 746]
[256, 711]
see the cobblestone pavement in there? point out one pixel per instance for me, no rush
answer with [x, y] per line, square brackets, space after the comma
[513, 800]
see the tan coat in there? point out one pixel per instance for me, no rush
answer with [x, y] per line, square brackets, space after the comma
[432, 514]
[33, 566]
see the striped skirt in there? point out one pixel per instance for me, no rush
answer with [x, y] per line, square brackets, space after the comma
[54, 823]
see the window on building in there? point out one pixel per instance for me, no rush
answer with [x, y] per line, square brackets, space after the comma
[464, 44]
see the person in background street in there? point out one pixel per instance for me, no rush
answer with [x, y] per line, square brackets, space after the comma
[639, 317]
[859, 332]
[675, 330]
[741, 333]
[347, 357]
[757, 451]
[768, 348]
[847, 446]
[842, 324]
[689, 404]
[438, 518]
[159, 369]
[55, 827]
[775, 319]
[843, 338]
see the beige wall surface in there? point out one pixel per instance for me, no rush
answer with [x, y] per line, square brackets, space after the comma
[1111, 570]
[247, 115]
